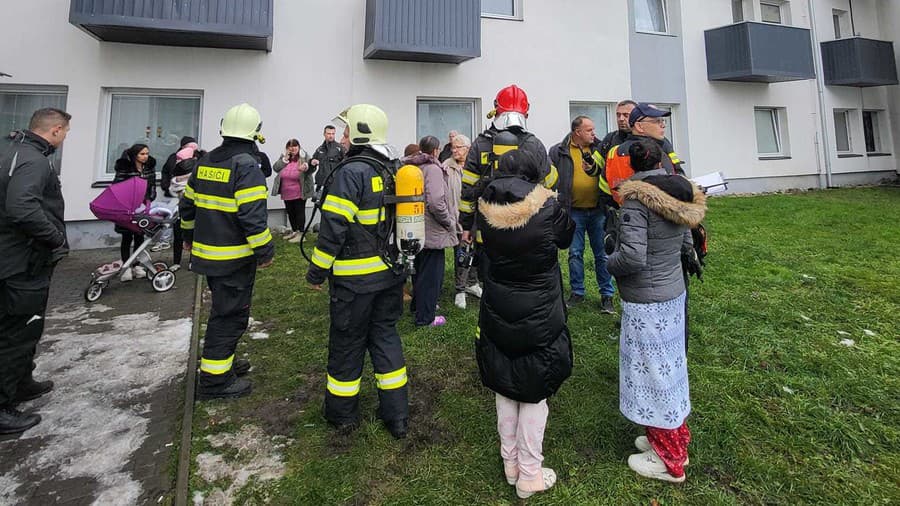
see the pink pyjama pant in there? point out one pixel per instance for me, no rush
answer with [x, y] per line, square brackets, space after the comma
[521, 427]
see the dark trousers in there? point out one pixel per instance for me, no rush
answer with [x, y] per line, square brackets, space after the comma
[296, 211]
[427, 283]
[228, 319]
[129, 238]
[23, 302]
[464, 276]
[177, 242]
[361, 322]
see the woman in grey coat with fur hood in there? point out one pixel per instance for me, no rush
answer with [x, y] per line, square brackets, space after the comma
[657, 213]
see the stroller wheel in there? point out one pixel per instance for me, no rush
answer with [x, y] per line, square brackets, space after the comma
[160, 266]
[93, 292]
[163, 280]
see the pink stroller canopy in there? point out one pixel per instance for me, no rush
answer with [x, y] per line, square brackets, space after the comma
[119, 202]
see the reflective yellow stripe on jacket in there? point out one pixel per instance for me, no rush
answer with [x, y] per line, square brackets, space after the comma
[322, 259]
[251, 194]
[342, 388]
[391, 380]
[466, 206]
[341, 207]
[187, 224]
[216, 367]
[371, 216]
[188, 192]
[674, 157]
[469, 177]
[215, 203]
[359, 266]
[209, 252]
[260, 239]
[552, 177]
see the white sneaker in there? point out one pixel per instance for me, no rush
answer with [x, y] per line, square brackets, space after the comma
[295, 238]
[474, 290]
[643, 444]
[160, 246]
[460, 300]
[174, 267]
[649, 465]
[139, 272]
[126, 276]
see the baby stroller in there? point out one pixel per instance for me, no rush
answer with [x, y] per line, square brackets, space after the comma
[123, 204]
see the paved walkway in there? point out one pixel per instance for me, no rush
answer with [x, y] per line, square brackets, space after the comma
[109, 427]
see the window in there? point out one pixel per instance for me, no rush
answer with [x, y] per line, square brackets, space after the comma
[841, 21]
[737, 10]
[650, 16]
[598, 112]
[768, 132]
[842, 138]
[511, 9]
[872, 132]
[770, 12]
[18, 103]
[438, 116]
[157, 118]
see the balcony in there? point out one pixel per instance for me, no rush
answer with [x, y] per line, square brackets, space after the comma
[754, 52]
[433, 31]
[235, 24]
[859, 62]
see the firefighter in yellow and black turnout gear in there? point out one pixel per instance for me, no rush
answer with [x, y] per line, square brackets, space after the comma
[351, 252]
[225, 224]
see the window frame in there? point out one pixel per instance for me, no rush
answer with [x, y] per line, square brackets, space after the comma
[40, 89]
[474, 102]
[734, 4]
[882, 146]
[610, 116]
[517, 13]
[103, 177]
[777, 5]
[840, 20]
[776, 114]
[848, 126]
[665, 18]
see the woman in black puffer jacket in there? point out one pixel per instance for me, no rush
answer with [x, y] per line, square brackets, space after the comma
[523, 347]
[135, 162]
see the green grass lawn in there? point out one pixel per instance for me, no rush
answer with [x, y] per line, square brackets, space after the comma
[783, 413]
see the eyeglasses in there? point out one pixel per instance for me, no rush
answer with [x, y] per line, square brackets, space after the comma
[658, 121]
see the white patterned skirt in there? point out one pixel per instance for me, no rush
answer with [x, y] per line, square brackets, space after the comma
[653, 378]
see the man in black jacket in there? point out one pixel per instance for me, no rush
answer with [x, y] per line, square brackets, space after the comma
[326, 157]
[32, 241]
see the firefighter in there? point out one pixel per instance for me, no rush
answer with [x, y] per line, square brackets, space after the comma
[366, 288]
[507, 132]
[225, 224]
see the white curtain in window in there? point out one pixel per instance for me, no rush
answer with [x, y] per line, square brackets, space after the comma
[157, 121]
[842, 131]
[16, 109]
[767, 132]
[438, 118]
[599, 114]
[650, 15]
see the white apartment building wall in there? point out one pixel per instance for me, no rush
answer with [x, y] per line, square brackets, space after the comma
[561, 51]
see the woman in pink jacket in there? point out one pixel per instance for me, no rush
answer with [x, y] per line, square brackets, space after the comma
[295, 185]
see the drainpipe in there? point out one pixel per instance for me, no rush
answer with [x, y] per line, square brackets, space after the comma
[820, 91]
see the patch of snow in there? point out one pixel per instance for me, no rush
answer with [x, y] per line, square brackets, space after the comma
[289, 331]
[259, 459]
[869, 333]
[95, 418]
[788, 390]
[808, 277]
[259, 335]
[8, 486]
[848, 342]
[198, 498]
[806, 318]
[842, 333]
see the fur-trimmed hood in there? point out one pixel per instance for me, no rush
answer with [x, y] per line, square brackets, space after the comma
[517, 214]
[667, 206]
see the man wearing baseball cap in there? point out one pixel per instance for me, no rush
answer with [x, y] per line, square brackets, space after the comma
[646, 120]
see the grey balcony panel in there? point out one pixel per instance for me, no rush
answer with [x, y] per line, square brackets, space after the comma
[759, 52]
[227, 24]
[435, 31]
[859, 62]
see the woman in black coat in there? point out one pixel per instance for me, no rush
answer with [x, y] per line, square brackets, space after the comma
[135, 162]
[523, 347]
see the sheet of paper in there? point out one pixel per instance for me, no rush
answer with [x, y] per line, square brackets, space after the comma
[714, 182]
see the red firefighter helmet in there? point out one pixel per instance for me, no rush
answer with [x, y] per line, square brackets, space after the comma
[511, 99]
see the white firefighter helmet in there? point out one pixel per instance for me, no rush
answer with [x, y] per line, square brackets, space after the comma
[242, 122]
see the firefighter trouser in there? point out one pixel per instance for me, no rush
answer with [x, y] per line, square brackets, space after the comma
[227, 322]
[23, 302]
[360, 322]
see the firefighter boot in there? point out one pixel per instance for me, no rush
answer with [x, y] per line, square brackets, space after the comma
[237, 388]
[241, 366]
[13, 421]
[29, 389]
[397, 428]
